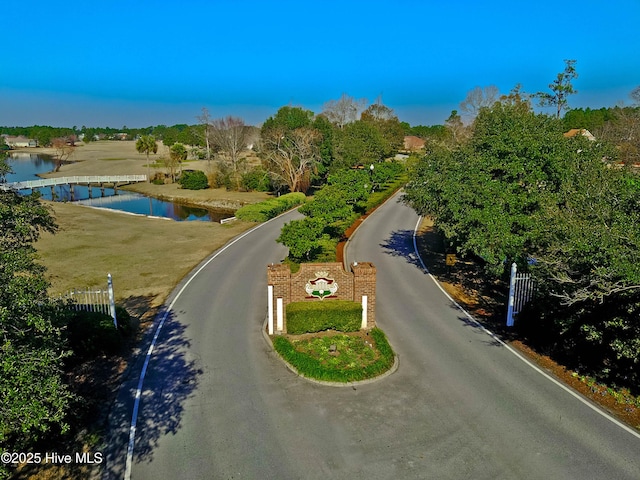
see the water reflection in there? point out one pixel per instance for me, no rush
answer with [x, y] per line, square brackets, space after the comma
[26, 166]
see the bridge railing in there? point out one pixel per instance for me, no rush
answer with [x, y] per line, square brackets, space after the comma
[78, 179]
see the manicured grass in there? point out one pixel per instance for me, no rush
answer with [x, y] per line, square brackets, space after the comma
[311, 317]
[356, 357]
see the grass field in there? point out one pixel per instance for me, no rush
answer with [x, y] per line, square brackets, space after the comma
[147, 257]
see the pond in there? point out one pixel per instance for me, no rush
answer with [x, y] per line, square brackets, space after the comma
[26, 166]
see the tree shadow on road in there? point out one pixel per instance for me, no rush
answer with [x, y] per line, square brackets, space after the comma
[169, 381]
[400, 244]
[489, 337]
[464, 281]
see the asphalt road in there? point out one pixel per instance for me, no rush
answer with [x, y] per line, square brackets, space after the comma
[217, 403]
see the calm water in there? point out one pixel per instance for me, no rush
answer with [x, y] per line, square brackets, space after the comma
[26, 166]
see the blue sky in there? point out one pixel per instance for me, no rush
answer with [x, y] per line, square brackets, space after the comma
[151, 62]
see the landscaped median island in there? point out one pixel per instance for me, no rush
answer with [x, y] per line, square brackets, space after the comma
[321, 321]
[334, 356]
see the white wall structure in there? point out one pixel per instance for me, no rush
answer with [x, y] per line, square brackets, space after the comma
[279, 314]
[363, 325]
[270, 308]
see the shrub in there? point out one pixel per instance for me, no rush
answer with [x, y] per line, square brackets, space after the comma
[309, 317]
[256, 180]
[380, 196]
[263, 211]
[312, 367]
[193, 180]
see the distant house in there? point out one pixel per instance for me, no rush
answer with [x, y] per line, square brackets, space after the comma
[580, 131]
[413, 143]
[19, 141]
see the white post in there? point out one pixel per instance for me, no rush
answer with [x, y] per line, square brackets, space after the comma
[363, 325]
[270, 307]
[112, 301]
[280, 315]
[512, 287]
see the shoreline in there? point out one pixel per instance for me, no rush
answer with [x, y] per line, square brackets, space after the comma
[116, 157]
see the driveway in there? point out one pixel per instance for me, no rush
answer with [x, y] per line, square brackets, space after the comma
[217, 403]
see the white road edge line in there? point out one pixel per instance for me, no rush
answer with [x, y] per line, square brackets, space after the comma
[143, 372]
[513, 351]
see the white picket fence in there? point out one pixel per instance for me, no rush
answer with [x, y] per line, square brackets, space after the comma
[94, 300]
[521, 289]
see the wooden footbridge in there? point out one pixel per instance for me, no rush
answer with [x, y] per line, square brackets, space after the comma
[102, 181]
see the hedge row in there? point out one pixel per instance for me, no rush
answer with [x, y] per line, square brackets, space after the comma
[310, 317]
[263, 211]
[388, 189]
[310, 367]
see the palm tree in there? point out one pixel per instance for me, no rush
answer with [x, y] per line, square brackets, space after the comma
[147, 144]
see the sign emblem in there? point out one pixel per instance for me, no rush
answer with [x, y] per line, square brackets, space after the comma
[322, 286]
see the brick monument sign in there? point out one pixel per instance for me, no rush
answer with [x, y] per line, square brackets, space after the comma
[320, 282]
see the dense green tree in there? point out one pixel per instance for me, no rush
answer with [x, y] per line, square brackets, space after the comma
[358, 143]
[302, 237]
[436, 133]
[387, 123]
[289, 118]
[327, 155]
[488, 195]
[329, 203]
[193, 180]
[33, 395]
[592, 120]
[356, 185]
[189, 136]
[520, 191]
[169, 137]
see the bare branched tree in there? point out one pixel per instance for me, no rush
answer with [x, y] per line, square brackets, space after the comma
[458, 133]
[343, 111]
[624, 132]
[635, 96]
[63, 148]
[230, 137]
[205, 121]
[478, 98]
[378, 111]
[292, 155]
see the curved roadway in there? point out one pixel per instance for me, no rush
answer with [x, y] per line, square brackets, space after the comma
[218, 404]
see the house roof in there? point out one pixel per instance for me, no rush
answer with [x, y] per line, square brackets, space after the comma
[579, 131]
[411, 142]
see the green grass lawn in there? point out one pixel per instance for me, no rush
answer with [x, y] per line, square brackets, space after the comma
[337, 357]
